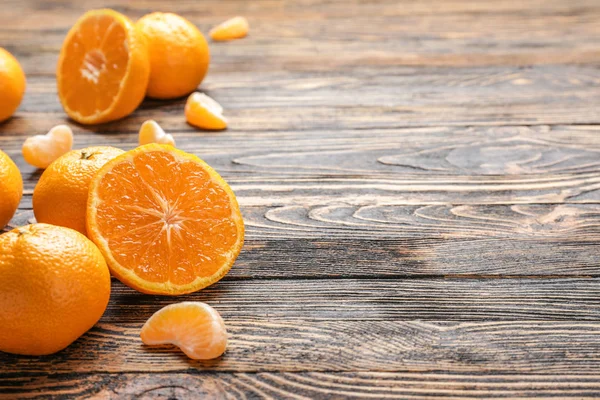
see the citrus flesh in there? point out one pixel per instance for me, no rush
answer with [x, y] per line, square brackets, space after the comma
[103, 68]
[55, 287]
[195, 327]
[165, 221]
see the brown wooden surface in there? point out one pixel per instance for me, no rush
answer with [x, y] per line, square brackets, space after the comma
[420, 182]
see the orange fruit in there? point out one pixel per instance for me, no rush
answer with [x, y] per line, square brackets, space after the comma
[12, 84]
[151, 132]
[103, 68]
[203, 112]
[55, 287]
[60, 197]
[11, 188]
[196, 328]
[234, 28]
[165, 221]
[41, 150]
[179, 54]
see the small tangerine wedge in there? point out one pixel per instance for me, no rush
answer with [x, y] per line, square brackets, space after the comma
[11, 188]
[60, 196]
[203, 112]
[151, 132]
[103, 68]
[234, 28]
[41, 150]
[165, 221]
[195, 327]
[12, 84]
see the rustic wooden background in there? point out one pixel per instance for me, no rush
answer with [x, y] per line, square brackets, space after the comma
[421, 186]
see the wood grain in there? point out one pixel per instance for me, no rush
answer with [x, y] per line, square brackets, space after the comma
[408, 97]
[391, 167]
[509, 347]
[421, 190]
[307, 385]
[536, 32]
[425, 152]
[364, 299]
[411, 241]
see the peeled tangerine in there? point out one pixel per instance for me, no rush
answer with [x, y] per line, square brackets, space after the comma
[41, 150]
[195, 327]
[151, 132]
[204, 113]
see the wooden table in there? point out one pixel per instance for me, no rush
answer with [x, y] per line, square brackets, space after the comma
[420, 182]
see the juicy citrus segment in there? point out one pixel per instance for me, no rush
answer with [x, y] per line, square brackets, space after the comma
[234, 28]
[166, 222]
[103, 69]
[12, 84]
[196, 328]
[41, 150]
[204, 112]
[151, 132]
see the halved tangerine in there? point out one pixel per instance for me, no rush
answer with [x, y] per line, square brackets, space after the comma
[195, 327]
[103, 68]
[165, 221]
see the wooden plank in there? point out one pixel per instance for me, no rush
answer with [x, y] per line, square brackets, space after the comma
[321, 193]
[485, 241]
[455, 151]
[363, 98]
[392, 88]
[303, 385]
[427, 166]
[379, 299]
[284, 345]
[516, 34]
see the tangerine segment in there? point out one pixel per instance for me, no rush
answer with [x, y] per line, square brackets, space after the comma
[203, 112]
[151, 132]
[234, 28]
[103, 68]
[195, 327]
[165, 221]
[41, 150]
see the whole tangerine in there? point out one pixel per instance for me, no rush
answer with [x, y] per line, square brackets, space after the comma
[179, 54]
[60, 197]
[55, 287]
[12, 84]
[11, 188]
